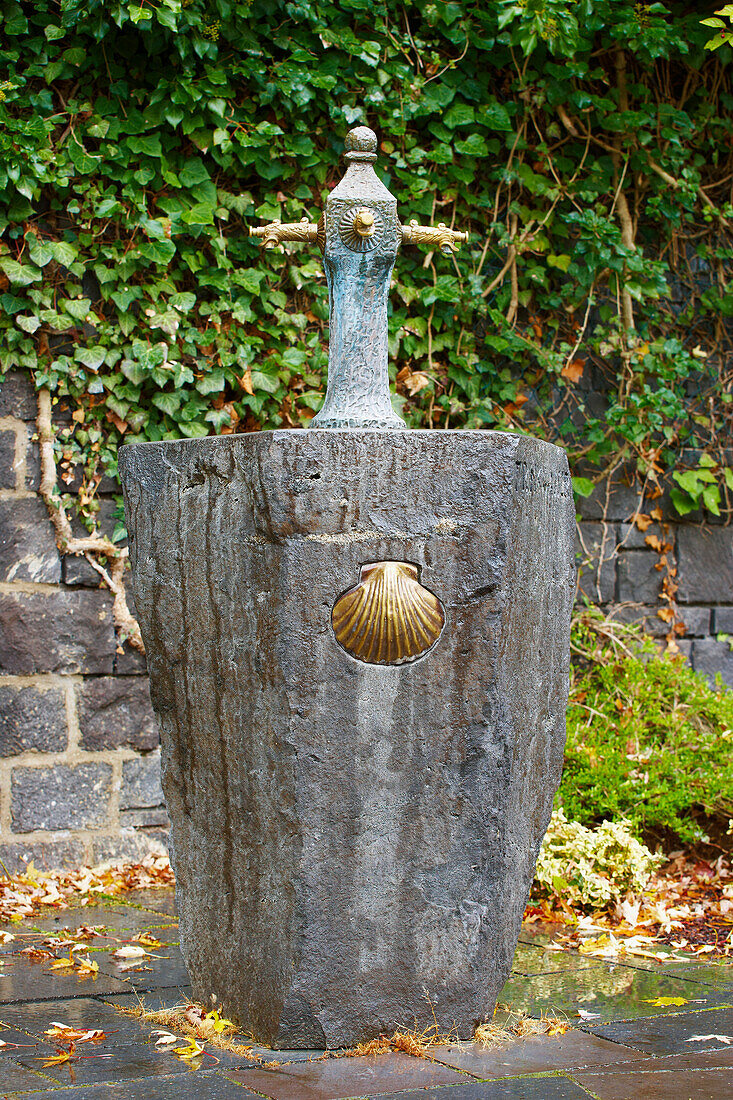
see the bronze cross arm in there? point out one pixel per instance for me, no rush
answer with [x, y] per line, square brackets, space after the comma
[359, 236]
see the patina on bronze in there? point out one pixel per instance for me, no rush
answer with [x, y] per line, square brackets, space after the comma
[359, 236]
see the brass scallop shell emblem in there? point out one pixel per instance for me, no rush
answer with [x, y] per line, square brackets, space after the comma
[388, 618]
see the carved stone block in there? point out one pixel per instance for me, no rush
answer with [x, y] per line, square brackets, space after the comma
[354, 841]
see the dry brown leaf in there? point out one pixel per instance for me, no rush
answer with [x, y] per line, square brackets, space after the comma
[574, 370]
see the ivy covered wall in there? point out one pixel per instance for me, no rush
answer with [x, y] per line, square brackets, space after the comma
[585, 144]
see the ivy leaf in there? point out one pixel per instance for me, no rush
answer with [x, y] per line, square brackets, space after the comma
[212, 382]
[183, 302]
[460, 114]
[563, 262]
[82, 161]
[41, 252]
[167, 402]
[91, 357]
[64, 253]
[583, 486]
[20, 274]
[77, 307]
[262, 381]
[28, 323]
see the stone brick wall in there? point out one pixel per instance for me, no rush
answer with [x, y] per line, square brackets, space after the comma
[79, 759]
[620, 567]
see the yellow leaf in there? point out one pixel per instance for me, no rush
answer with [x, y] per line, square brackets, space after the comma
[665, 1002]
[193, 1050]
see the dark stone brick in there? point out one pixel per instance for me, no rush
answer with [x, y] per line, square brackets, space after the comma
[705, 564]
[596, 546]
[710, 656]
[66, 631]
[32, 719]
[722, 620]
[696, 620]
[131, 662]
[32, 463]
[620, 503]
[639, 581]
[631, 538]
[78, 573]
[645, 617]
[141, 787]
[150, 816]
[130, 844]
[7, 459]
[115, 712]
[28, 549]
[18, 396]
[46, 855]
[60, 796]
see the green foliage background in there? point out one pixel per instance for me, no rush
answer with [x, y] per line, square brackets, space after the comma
[139, 139]
[649, 741]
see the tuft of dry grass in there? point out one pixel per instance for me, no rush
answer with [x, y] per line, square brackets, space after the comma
[518, 1026]
[191, 1020]
[194, 1022]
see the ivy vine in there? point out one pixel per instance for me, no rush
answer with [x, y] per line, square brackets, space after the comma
[584, 143]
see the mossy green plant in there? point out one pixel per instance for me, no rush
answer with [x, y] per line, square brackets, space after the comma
[649, 740]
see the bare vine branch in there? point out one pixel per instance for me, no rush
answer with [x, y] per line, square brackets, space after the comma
[94, 546]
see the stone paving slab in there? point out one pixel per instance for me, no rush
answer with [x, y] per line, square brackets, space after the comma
[672, 1033]
[346, 1077]
[194, 1085]
[528, 1088]
[534, 1054]
[664, 1084]
[616, 992]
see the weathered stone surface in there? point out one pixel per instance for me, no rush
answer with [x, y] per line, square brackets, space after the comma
[17, 396]
[632, 538]
[639, 580]
[7, 459]
[349, 836]
[32, 462]
[141, 783]
[723, 620]
[46, 855]
[705, 564]
[130, 844]
[596, 557]
[710, 656]
[60, 796]
[696, 620]
[131, 662]
[31, 720]
[64, 631]
[28, 549]
[115, 712]
[78, 573]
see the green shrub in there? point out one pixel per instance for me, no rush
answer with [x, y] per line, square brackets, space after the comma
[648, 740]
[592, 867]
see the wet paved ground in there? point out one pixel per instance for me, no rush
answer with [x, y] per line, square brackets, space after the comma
[622, 1045]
